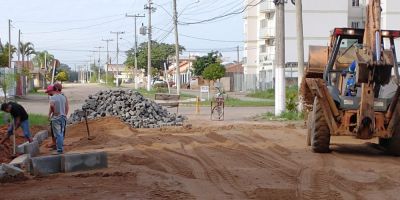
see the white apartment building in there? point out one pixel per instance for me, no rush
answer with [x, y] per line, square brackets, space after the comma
[319, 19]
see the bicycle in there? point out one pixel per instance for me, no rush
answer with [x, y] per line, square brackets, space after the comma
[217, 111]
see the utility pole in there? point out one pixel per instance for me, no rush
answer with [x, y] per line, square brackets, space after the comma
[19, 46]
[19, 57]
[238, 56]
[150, 9]
[178, 73]
[45, 70]
[136, 67]
[280, 97]
[108, 58]
[9, 43]
[99, 73]
[117, 33]
[9, 65]
[300, 47]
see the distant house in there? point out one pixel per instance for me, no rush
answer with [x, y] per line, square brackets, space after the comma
[185, 69]
[27, 83]
[234, 68]
[124, 74]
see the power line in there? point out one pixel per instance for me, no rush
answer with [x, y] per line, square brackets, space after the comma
[223, 16]
[199, 38]
[67, 21]
[75, 28]
[207, 10]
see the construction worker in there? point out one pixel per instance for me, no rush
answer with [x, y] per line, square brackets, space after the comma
[58, 90]
[58, 115]
[20, 119]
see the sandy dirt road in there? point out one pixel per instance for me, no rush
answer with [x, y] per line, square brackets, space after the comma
[217, 160]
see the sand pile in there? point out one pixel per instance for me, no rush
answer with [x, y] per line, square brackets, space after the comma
[130, 106]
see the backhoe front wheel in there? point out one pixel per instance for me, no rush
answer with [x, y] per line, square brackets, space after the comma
[319, 129]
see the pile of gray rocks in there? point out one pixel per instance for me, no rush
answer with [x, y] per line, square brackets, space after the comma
[130, 106]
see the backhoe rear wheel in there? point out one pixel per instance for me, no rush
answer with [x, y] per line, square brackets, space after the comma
[320, 135]
[391, 145]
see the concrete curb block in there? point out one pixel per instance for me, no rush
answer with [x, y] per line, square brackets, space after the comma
[32, 148]
[41, 136]
[21, 148]
[21, 161]
[11, 169]
[84, 161]
[45, 165]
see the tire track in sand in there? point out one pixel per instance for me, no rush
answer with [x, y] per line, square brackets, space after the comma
[220, 175]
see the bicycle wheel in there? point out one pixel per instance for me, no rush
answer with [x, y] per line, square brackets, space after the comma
[217, 113]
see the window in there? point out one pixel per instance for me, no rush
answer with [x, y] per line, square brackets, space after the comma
[270, 42]
[263, 48]
[355, 3]
[355, 24]
[263, 23]
[269, 16]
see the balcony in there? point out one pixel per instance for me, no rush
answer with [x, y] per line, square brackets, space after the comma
[267, 6]
[266, 33]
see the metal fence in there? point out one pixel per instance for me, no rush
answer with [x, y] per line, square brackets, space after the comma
[264, 80]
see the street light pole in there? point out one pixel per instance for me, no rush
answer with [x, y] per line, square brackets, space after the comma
[150, 9]
[99, 73]
[178, 79]
[108, 59]
[136, 67]
[117, 33]
[280, 97]
[300, 46]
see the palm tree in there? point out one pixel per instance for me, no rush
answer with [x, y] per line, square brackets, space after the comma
[4, 54]
[41, 56]
[39, 61]
[25, 49]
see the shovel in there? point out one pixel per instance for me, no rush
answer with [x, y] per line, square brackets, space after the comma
[87, 126]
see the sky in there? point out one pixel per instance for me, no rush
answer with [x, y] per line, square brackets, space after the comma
[71, 29]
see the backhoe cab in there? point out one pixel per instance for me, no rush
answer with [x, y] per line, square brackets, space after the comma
[352, 89]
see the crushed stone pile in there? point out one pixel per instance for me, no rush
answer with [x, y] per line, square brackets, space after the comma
[130, 106]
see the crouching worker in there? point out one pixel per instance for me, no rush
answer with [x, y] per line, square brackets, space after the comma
[57, 114]
[20, 119]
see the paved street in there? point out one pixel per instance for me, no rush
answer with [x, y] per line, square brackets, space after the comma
[77, 93]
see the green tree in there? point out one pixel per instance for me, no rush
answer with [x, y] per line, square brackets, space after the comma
[62, 76]
[202, 62]
[213, 72]
[6, 82]
[4, 54]
[26, 49]
[39, 59]
[159, 54]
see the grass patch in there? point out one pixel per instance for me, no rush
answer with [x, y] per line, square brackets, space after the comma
[270, 93]
[34, 119]
[285, 116]
[35, 92]
[150, 94]
[232, 102]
